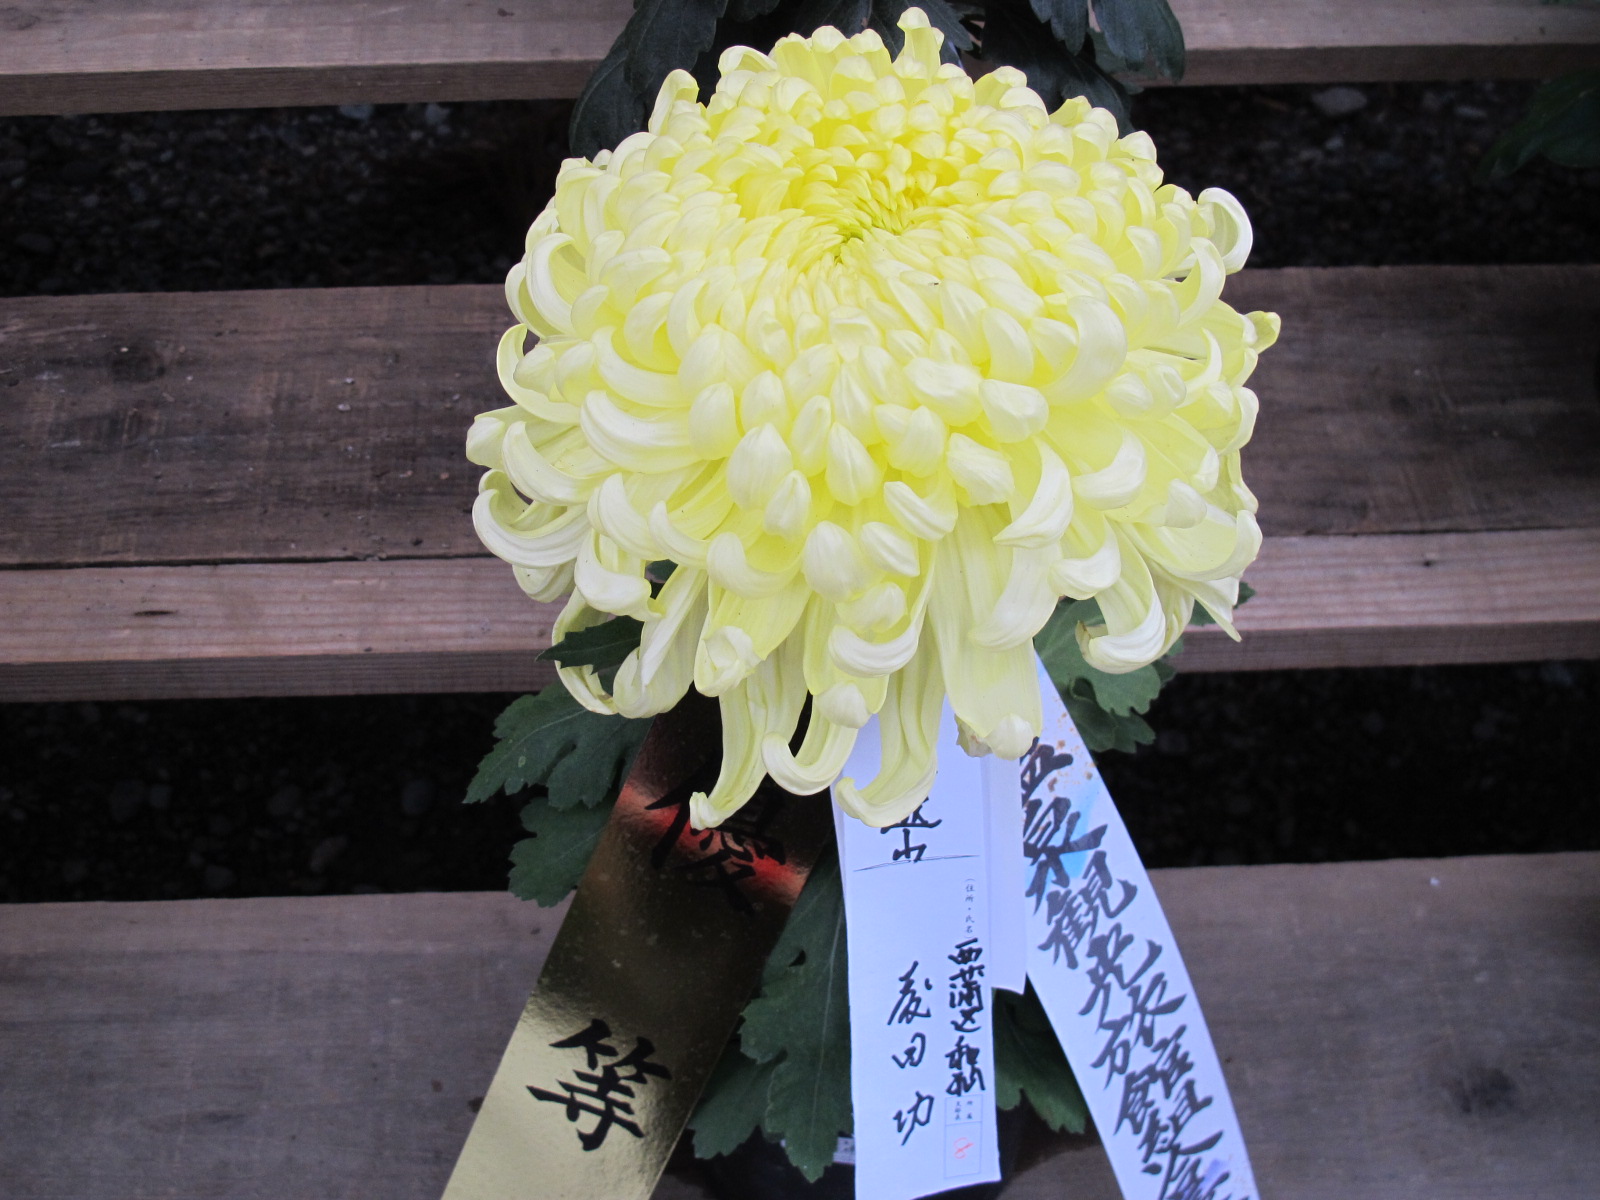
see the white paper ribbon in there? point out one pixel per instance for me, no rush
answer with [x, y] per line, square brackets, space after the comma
[1010, 869]
[921, 1044]
[1104, 962]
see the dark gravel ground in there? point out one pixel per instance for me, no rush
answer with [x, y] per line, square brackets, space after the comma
[300, 796]
[409, 194]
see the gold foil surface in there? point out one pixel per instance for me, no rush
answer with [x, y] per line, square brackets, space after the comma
[663, 945]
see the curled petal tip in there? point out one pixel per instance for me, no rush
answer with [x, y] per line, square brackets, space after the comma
[888, 361]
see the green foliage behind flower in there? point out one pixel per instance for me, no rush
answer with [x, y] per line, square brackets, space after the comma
[572, 763]
[787, 1073]
[1051, 41]
[887, 361]
[1562, 124]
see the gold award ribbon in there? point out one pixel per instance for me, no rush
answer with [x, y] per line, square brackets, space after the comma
[664, 943]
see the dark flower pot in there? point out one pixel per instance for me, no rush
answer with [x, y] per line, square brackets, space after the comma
[760, 1170]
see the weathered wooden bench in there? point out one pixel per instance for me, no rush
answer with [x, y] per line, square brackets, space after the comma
[264, 493]
[1413, 1030]
[88, 56]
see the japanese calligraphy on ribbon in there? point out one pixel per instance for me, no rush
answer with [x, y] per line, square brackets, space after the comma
[1009, 870]
[922, 1047]
[1104, 963]
[613, 1048]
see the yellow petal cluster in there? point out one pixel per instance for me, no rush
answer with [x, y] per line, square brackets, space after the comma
[886, 361]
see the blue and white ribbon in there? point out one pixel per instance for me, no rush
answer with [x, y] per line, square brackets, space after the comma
[1038, 878]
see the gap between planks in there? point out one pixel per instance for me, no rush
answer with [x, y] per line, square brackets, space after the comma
[325, 426]
[463, 625]
[1407, 1030]
[85, 56]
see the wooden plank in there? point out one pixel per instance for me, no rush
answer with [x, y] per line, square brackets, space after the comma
[327, 1049]
[1394, 1031]
[1427, 399]
[442, 626]
[328, 424]
[1428, 462]
[243, 426]
[1357, 41]
[85, 56]
[270, 629]
[137, 55]
[1383, 1035]
[1412, 600]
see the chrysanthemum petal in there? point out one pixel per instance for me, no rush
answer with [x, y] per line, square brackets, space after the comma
[817, 763]
[765, 706]
[982, 684]
[583, 682]
[886, 361]
[1049, 510]
[909, 734]
[549, 545]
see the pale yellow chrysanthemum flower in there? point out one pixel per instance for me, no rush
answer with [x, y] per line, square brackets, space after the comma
[887, 361]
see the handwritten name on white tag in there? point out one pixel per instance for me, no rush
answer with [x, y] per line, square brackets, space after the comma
[917, 921]
[1104, 963]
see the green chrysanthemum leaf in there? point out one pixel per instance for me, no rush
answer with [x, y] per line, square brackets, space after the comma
[547, 867]
[733, 1104]
[801, 1024]
[603, 647]
[1029, 1064]
[549, 738]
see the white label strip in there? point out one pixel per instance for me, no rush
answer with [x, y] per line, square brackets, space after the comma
[921, 1045]
[1103, 960]
[1008, 925]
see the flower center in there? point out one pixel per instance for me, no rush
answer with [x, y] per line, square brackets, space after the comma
[871, 204]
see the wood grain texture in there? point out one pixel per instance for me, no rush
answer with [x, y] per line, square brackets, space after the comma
[1412, 600]
[85, 56]
[1354, 41]
[270, 629]
[243, 426]
[1427, 399]
[328, 424]
[199, 486]
[463, 625]
[88, 56]
[1390, 1037]
[1410, 1030]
